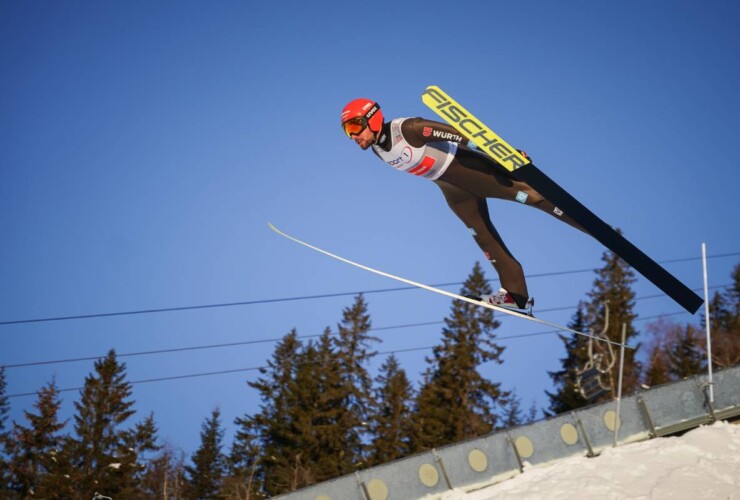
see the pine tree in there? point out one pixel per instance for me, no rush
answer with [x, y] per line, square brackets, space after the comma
[732, 295]
[305, 462]
[724, 316]
[100, 458]
[613, 287]
[4, 405]
[567, 397]
[299, 430]
[513, 414]
[456, 402]
[205, 476]
[390, 424]
[34, 447]
[719, 314]
[4, 435]
[61, 479]
[657, 371]
[328, 421]
[533, 414]
[685, 356]
[315, 401]
[164, 475]
[243, 479]
[139, 443]
[272, 426]
[676, 352]
[353, 350]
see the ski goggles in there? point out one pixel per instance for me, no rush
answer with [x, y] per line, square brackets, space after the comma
[354, 126]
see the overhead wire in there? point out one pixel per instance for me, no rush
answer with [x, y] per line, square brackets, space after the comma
[274, 339]
[256, 368]
[303, 297]
[263, 301]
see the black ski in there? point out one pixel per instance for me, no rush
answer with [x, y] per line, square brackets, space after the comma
[498, 149]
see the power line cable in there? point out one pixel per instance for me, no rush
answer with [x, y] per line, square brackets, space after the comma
[269, 340]
[304, 297]
[202, 347]
[255, 368]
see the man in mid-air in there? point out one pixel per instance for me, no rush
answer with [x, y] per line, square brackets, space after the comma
[467, 177]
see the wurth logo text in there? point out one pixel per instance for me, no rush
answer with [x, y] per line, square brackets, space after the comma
[447, 136]
[475, 129]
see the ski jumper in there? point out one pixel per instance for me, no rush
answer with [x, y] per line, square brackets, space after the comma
[467, 177]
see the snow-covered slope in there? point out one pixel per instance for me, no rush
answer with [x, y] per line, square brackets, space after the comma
[702, 464]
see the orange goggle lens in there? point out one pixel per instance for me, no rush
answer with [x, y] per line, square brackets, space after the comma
[354, 126]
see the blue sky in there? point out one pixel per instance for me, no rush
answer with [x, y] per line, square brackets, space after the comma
[145, 146]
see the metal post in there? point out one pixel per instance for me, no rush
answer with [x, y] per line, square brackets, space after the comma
[706, 319]
[363, 487]
[516, 453]
[619, 389]
[586, 440]
[441, 466]
[648, 417]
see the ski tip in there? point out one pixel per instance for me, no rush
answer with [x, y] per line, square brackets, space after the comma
[278, 231]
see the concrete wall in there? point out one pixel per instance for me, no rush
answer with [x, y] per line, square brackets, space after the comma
[654, 412]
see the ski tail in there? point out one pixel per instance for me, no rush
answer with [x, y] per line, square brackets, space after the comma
[498, 149]
[611, 239]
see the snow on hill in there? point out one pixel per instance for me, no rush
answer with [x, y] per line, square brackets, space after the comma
[702, 464]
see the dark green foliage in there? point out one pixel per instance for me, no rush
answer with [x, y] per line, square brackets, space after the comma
[5, 477]
[566, 396]
[34, 448]
[455, 402]
[4, 405]
[298, 431]
[243, 480]
[613, 288]
[315, 404]
[676, 352]
[686, 355]
[353, 351]
[610, 304]
[513, 414]
[657, 371]
[164, 476]
[680, 350]
[391, 425]
[104, 456]
[272, 427]
[205, 476]
[724, 318]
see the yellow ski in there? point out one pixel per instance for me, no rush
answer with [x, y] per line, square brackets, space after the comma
[473, 129]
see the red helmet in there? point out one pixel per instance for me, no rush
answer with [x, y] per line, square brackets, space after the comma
[368, 112]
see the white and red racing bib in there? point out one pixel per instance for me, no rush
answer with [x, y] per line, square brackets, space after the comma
[429, 161]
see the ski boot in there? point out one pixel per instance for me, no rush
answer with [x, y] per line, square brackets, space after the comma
[502, 298]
